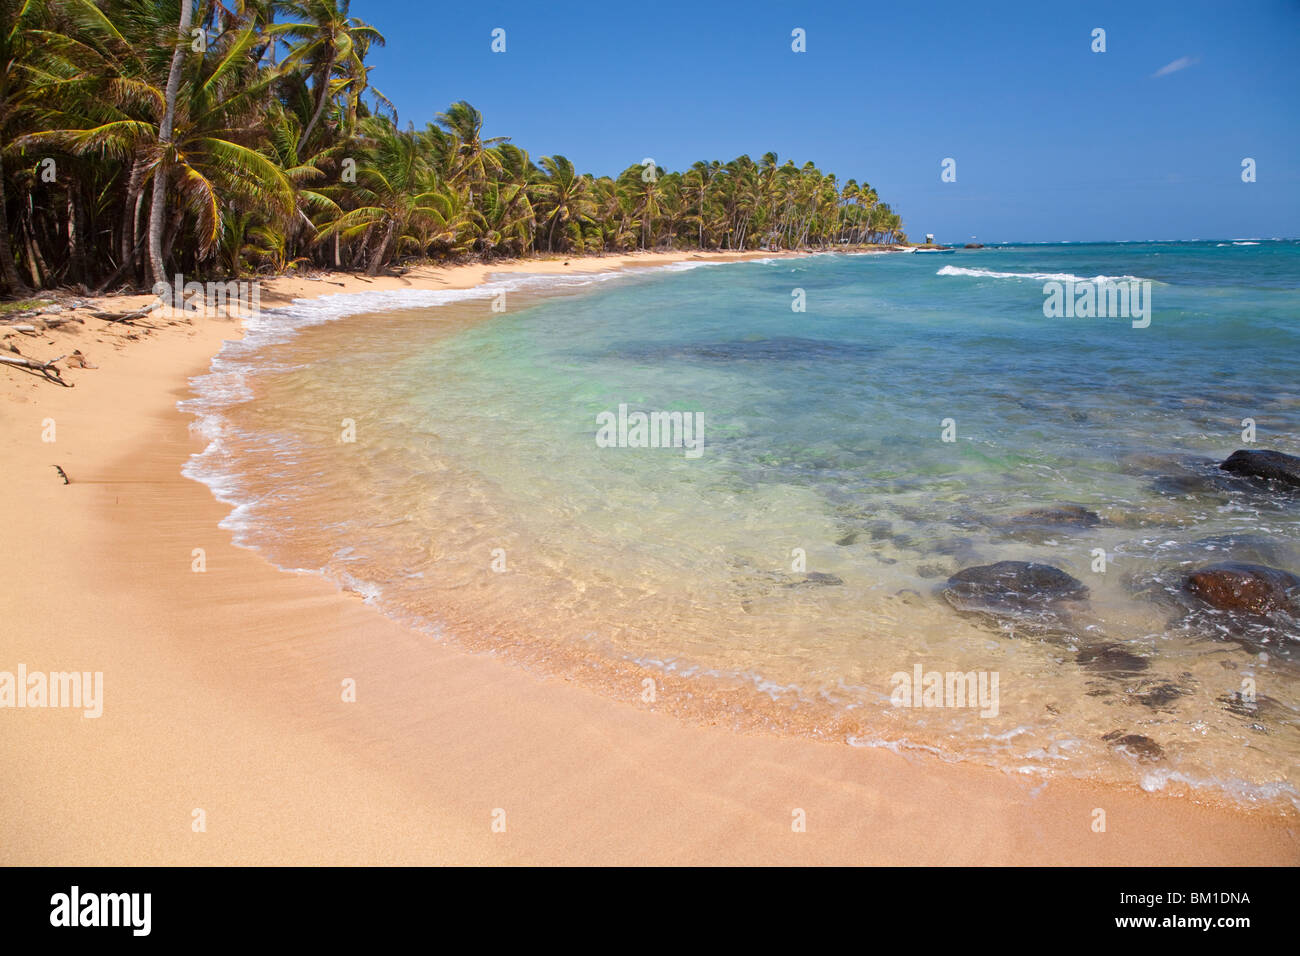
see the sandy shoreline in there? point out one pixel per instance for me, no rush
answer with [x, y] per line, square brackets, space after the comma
[223, 693]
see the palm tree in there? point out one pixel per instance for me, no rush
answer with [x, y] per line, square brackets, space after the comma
[325, 40]
[565, 192]
[470, 159]
[398, 192]
[17, 18]
[205, 137]
[165, 157]
[244, 163]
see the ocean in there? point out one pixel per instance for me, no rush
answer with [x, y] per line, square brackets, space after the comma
[862, 427]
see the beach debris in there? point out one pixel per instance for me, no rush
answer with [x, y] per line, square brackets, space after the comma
[1268, 465]
[78, 360]
[128, 318]
[63, 474]
[1253, 588]
[1140, 748]
[63, 320]
[47, 369]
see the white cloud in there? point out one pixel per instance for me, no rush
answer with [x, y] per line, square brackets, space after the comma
[1182, 63]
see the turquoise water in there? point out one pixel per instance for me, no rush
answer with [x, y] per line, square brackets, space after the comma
[781, 578]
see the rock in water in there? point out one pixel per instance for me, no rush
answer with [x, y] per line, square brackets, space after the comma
[1041, 525]
[1011, 585]
[1253, 588]
[1032, 600]
[1271, 465]
[1144, 749]
[1111, 659]
[816, 578]
[1062, 516]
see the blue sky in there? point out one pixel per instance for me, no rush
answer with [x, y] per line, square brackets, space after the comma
[1051, 140]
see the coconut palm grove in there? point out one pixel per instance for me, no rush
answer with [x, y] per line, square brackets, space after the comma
[141, 138]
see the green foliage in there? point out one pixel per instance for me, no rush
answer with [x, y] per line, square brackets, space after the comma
[282, 154]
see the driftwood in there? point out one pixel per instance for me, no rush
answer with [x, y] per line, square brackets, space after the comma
[47, 369]
[127, 318]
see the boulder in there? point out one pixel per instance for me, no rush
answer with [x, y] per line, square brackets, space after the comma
[1253, 588]
[1011, 585]
[1269, 465]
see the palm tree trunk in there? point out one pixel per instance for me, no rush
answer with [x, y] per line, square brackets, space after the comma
[320, 105]
[35, 262]
[382, 251]
[130, 230]
[13, 282]
[156, 210]
[550, 235]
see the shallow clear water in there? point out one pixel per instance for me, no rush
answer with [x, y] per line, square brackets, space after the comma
[780, 579]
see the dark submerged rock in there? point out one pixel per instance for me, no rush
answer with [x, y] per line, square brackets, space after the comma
[815, 578]
[1184, 476]
[1062, 516]
[1268, 465]
[1036, 599]
[1252, 588]
[1158, 695]
[1014, 585]
[1042, 524]
[1111, 659]
[1144, 749]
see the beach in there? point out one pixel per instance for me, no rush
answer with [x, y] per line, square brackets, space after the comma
[224, 692]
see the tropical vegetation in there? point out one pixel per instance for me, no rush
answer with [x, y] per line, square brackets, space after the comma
[144, 138]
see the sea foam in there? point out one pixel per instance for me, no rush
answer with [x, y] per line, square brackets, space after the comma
[1039, 276]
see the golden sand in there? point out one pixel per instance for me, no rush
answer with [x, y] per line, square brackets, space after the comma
[223, 693]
